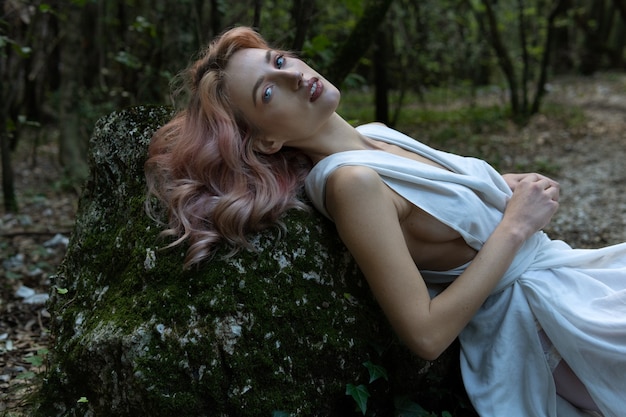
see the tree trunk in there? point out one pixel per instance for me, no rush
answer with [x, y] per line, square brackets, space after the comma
[492, 33]
[256, 21]
[620, 5]
[216, 18]
[560, 8]
[72, 141]
[592, 22]
[8, 182]
[302, 13]
[381, 77]
[525, 57]
[348, 54]
[7, 95]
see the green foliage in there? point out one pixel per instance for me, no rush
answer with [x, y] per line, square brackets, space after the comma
[37, 360]
[318, 50]
[407, 408]
[280, 414]
[360, 394]
[82, 3]
[441, 113]
[376, 371]
[355, 7]
[132, 49]
[129, 60]
[142, 25]
[403, 405]
[172, 361]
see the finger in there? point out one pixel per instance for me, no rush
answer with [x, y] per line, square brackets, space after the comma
[552, 184]
[545, 184]
[550, 180]
[553, 192]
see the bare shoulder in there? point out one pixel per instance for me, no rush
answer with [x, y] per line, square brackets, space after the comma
[352, 184]
[357, 194]
[349, 173]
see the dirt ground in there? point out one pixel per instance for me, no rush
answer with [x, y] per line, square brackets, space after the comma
[591, 161]
[588, 159]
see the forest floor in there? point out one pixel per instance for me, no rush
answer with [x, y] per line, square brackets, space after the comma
[588, 158]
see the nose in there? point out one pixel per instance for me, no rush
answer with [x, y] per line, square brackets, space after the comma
[297, 79]
[293, 79]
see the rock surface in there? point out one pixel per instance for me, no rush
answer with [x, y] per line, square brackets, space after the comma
[278, 332]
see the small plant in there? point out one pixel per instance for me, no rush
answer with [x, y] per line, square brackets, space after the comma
[403, 405]
[37, 360]
[277, 413]
[360, 393]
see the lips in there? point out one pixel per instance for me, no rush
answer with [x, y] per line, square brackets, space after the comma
[316, 88]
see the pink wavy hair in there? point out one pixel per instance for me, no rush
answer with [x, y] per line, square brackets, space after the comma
[202, 166]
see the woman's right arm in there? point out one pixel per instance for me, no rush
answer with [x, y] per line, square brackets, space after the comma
[366, 216]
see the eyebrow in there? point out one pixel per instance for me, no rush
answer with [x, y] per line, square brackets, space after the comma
[268, 57]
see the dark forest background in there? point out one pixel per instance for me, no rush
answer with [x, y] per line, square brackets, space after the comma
[64, 64]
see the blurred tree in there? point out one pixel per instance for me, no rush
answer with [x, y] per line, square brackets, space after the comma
[27, 41]
[215, 20]
[381, 77]
[603, 32]
[256, 20]
[520, 58]
[560, 8]
[8, 93]
[621, 7]
[8, 182]
[73, 62]
[302, 12]
[358, 42]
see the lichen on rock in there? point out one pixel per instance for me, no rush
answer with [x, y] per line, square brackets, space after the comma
[282, 328]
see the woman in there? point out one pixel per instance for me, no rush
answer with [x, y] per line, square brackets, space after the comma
[530, 313]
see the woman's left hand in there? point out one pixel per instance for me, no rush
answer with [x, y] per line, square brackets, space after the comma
[513, 179]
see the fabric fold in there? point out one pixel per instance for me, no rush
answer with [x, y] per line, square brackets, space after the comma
[577, 296]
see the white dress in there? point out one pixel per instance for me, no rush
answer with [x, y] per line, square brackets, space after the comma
[577, 296]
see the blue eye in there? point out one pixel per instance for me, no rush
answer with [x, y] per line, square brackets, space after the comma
[280, 61]
[267, 95]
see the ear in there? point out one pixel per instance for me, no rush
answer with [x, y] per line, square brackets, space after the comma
[267, 146]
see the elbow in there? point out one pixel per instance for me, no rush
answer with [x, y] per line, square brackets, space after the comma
[427, 348]
[427, 338]
[430, 354]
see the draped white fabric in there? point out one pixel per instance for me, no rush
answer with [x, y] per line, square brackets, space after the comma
[577, 296]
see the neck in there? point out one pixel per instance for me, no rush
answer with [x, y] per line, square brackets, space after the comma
[335, 136]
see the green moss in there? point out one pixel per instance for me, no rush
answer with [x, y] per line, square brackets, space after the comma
[263, 331]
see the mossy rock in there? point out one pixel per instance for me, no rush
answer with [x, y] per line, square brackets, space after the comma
[279, 331]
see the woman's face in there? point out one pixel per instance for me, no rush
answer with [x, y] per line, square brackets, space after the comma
[281, 95]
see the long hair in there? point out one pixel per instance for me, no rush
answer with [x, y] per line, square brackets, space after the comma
[202, 166]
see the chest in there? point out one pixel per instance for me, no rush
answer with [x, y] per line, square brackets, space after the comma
[433, 245]
[396, 150]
